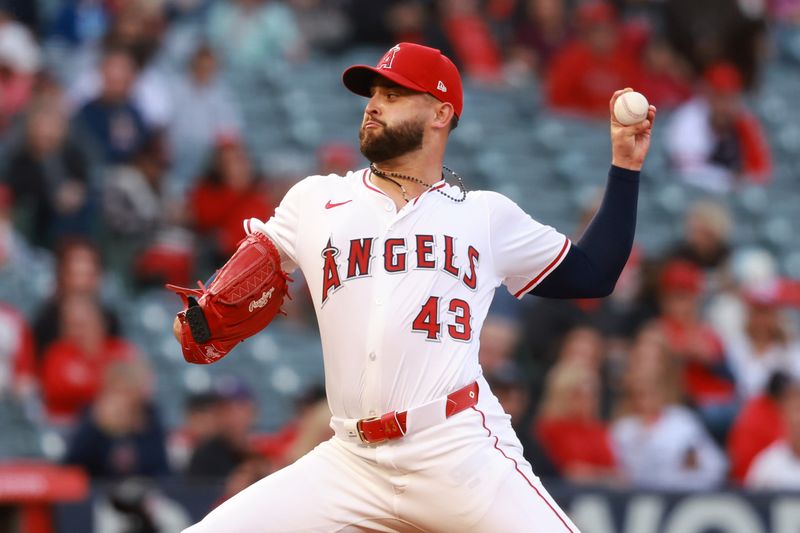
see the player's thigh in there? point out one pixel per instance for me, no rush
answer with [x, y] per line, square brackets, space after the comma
[523, 505]
[325, 490]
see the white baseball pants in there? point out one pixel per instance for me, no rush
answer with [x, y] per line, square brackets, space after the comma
[466, 474]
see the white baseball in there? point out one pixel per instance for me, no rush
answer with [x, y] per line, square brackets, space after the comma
[631, 108]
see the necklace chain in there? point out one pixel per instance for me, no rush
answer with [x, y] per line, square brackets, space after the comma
[389, 175]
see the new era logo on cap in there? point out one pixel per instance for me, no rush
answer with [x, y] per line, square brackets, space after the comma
[413, 66]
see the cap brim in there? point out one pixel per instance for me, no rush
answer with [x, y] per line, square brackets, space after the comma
[359, 79]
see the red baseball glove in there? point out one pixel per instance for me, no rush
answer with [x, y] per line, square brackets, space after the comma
[244, 296]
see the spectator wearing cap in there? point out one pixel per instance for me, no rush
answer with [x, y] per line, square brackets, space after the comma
[48, 176]
[201, 421]
[758, 424]
[778, 467]
[112, 124]
[659, 443]
[230, 447]
[765, 345]
[230, 192]
[569, 426]
[713, 140]
[203, 110]
[706, 377]
[601, 58]
[748, 268]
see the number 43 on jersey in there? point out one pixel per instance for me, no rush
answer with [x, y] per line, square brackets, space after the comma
[458, 325]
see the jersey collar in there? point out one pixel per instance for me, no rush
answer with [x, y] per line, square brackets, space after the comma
[365, 178]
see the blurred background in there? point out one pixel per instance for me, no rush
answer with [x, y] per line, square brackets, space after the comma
[135, 135]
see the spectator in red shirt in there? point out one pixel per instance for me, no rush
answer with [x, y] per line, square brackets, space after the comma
[78, 272]
[569, 427]
[598, 61]
[229, 193]
[471, 39]
[757, 425]
[707, 381]
[73, 365]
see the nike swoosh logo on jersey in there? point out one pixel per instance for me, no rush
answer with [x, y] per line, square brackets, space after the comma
[330, 205]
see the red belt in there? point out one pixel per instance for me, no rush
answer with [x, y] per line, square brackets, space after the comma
[393, 425]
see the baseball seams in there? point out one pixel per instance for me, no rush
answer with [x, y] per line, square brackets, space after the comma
[627, 107]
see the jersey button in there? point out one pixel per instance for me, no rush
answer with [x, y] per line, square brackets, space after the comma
[378, 301]
[389, 207]
[372, 356]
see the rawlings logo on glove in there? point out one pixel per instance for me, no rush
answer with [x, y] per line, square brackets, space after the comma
[244, 297]
[261, 302]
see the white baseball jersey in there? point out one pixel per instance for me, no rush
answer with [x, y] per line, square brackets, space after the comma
[400, 296]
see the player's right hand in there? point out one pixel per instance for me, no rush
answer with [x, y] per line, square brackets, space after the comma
[629, 144]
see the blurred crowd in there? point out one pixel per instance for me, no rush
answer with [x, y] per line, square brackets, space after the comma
[124, 155]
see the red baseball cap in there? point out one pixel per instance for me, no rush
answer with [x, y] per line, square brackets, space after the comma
[414, 67]
[681, 276]
[724, 78]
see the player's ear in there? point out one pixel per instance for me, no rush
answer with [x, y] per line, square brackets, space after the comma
[443, 115]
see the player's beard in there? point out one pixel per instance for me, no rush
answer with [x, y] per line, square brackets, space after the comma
[391, 142]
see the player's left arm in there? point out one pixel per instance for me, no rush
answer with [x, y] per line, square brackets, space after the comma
[593, 264]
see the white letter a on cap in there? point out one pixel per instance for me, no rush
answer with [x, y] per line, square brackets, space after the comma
[442, 87]
[388, 59]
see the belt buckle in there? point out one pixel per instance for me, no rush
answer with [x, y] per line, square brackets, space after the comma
[360, 432]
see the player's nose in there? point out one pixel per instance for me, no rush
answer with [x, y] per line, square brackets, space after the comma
[373, 107]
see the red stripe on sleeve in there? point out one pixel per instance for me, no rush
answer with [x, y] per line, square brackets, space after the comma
[532, 283]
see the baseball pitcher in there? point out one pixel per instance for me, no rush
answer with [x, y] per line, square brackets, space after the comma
[402, 265]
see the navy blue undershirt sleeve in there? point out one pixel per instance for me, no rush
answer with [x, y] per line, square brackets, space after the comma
[593, 264]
